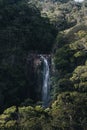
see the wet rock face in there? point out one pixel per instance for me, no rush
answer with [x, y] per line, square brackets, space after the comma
[34, 71]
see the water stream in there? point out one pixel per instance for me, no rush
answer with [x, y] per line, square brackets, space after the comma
[46, 82]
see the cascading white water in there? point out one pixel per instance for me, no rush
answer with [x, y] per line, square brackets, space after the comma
[46, 82]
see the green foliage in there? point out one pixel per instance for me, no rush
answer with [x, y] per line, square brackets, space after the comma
[68, 112]
[62, 13]
[33, 118]
[79, 78]
[8, 119]
[22, 30]
[10, 110]
[70, 57]
[70, 79]
[20, 23]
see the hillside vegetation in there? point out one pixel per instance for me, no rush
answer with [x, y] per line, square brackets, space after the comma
[22, 30]
[49, 27]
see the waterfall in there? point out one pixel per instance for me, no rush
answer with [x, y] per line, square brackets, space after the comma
[46, 82]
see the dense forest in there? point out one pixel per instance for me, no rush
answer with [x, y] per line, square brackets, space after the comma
[56, 29]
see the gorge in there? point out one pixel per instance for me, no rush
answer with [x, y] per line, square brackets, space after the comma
[43, 65]
[40, 71]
